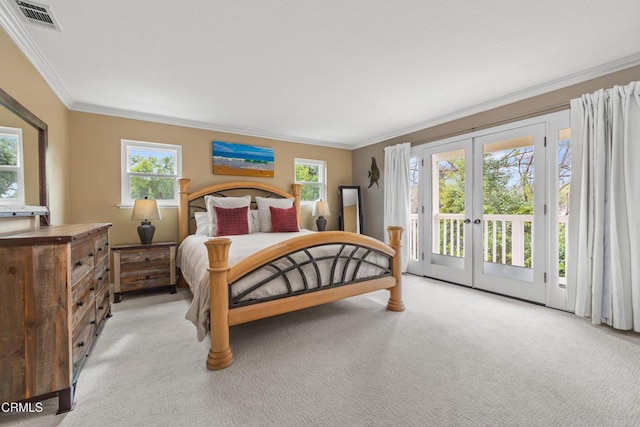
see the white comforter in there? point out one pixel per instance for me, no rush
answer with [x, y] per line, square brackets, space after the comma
[192, 258]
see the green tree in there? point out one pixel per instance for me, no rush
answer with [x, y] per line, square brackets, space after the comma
[153, 187]
[8, 179]
[308, 173]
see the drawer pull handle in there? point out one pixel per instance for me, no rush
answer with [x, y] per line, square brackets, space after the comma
[106, 244]
[80, 303]
[81, 344]
[100, 249]
[92, 288]
[107, 269]
[146, 259]
[100, 278]
[93, 322]
[90, 253]
[101, 307]
[79, 263]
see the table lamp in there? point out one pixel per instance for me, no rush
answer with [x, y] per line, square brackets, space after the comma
[145, 210]
[321, 208]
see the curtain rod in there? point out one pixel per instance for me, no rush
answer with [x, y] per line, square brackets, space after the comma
[503, 121]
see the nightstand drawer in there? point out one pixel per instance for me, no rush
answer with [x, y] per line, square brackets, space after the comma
[140, 279]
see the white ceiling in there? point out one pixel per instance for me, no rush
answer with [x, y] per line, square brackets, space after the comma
[343, 73]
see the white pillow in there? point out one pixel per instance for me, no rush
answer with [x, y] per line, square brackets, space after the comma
[224, 202]
[265, 212]
[202, 223]
[254, 223]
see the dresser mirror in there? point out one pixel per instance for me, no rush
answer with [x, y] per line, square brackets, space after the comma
[350, 213]
[14, 115]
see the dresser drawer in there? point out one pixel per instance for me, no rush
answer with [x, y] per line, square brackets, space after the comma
[102, 307]
[83, 300]
[102, 272]
[82, 258]
[101, 246]
[83, 337]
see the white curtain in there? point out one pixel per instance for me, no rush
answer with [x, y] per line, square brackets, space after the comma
[396, 193]
[603, 268]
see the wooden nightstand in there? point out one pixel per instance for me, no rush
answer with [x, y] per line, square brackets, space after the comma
[143, 267]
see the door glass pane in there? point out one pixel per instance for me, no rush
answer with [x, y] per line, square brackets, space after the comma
[448, 198]
[564, 178]
[414, 232]
[508, 202]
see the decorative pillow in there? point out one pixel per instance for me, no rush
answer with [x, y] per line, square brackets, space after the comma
[265, 214]
[202, 223]
[231, 221]
[224, 202]
[254, 221]
[284, 220]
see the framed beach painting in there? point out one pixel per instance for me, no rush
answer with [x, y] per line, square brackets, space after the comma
[240, 159]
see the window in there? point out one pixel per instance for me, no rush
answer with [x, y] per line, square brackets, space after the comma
[312, 175]
[11, 166]
[150, 170]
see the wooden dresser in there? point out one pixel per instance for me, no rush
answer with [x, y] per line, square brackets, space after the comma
[54, 297]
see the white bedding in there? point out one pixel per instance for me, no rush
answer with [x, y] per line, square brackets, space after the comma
[193, 261]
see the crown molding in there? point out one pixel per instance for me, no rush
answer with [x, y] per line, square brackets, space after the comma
[551, 85]
[13, 26]
[156, 118]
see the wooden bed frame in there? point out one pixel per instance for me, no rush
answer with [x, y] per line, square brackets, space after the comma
[222, 275]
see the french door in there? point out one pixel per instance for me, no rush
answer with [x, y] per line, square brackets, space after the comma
[484, 212]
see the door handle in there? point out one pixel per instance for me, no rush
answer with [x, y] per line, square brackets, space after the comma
[476, 221]
[467, 221]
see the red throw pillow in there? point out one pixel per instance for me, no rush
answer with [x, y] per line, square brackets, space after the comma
[284, 220]
[231, 221]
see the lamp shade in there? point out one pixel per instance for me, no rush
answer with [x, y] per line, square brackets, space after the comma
[145, 209]
[321, 208]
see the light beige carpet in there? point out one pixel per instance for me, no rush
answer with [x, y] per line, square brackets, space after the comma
[456, 356]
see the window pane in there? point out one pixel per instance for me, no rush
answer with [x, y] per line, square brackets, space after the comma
[8, 150]
[564, 188]
[152, 161]
[8, 184]
[309, 193]
[307, 173]
[152, 187]
[414, 188]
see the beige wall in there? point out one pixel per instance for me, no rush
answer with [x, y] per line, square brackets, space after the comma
[95, 173]
[373, 198]
[22, 81]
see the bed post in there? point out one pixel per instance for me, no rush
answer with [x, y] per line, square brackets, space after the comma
[295, 190]
[395, 241]
[220, 355]
[183, 212]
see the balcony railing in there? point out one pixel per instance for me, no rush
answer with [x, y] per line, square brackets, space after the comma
[507, 239]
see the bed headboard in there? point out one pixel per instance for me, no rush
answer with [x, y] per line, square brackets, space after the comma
[190, 203]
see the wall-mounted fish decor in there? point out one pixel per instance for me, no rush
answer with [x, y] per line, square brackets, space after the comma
[374, 173]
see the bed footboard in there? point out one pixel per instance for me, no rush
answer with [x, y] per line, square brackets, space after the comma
[226, 311]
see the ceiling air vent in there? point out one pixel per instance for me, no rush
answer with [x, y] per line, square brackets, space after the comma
[38, 14]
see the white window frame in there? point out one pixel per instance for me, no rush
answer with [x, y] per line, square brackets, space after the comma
[322, 182]
[126, 146]
[19, 168]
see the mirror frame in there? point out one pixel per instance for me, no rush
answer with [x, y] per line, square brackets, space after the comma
[21, 111]
[341, 207]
